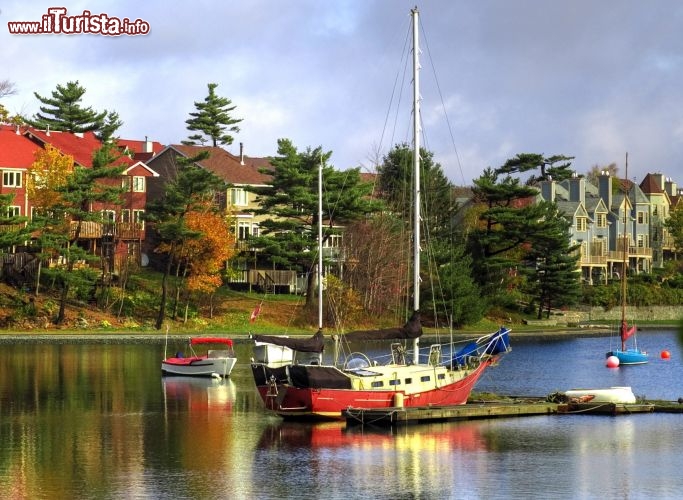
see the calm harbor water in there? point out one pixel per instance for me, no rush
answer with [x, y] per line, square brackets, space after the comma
[99, 421]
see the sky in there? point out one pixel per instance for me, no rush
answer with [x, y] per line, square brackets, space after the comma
[583, 78]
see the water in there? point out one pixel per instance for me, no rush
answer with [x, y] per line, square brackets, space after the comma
[98, 421]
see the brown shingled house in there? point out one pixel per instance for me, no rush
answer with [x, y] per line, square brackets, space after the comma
[239, 172]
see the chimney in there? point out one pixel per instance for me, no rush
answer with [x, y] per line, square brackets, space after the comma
[605, 188]
[548, 190]
[577, 189]
[241, 153]
[147, 148]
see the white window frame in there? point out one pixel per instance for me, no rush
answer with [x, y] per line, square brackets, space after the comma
[139, 217]
[239, 197]
[12, 178]
[108, 216]
[13, 211]
[139, 184]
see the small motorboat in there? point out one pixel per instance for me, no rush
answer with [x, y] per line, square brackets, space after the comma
[217, 363]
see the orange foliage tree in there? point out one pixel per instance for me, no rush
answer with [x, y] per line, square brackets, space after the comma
[205, 257]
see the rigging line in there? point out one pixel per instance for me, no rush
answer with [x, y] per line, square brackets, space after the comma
[404, 59]
[443, 105]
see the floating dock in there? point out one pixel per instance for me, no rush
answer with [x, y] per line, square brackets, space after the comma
[395, 416]
[412, 415]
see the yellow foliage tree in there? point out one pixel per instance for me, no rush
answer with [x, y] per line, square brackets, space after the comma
[49, 171]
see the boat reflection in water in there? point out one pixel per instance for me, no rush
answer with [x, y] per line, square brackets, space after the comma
[198, 394]
[426, 460]
[446, 436]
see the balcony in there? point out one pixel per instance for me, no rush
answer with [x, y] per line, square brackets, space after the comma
[96, 230]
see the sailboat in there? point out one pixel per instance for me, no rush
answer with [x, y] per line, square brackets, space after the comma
[441, 377]
[627, 355]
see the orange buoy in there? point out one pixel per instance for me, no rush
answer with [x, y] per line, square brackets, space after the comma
[665, 354]
[612, 362]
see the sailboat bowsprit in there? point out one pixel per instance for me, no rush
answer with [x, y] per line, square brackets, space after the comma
[442, 377]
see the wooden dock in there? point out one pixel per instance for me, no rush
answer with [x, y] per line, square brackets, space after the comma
[605, 408]
[402, 415]
[515, 408]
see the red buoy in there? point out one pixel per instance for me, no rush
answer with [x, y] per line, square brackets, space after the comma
[612, 362]
[665, 354]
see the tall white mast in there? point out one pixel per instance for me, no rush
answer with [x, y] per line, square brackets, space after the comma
[416, 175]
[320, 244]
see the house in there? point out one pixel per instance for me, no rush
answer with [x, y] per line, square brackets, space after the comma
[240, 173]
[662, 197]
[607, 220]
[118, 238]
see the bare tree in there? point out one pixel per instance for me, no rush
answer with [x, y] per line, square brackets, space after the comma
[7, 88]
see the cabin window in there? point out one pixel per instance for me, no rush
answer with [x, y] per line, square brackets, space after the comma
[394, 382]
[441, 376]
[426, 378]
[409, 381]
[378, 383]
[11, 178]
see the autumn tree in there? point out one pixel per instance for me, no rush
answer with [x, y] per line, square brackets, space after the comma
[45, 176]
[377, 263]
[674, 225]
[190, 191]
[204, 258]
[212, 121]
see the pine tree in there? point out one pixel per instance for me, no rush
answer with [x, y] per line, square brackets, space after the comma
[553, 276]
[291, 201]
[213, 120]
[64, 223]
[64, 112]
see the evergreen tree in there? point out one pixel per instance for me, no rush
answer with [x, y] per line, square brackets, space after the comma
[552, 262]
[395, 183]
[70, 215]
[505, 224]
[556, 167]
[213, 120]
[291, 201]
[64, 112]
[189, 192]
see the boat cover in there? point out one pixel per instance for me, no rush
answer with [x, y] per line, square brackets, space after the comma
[316, 343]
[210, 340]
[411, 330]
[318, 377]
